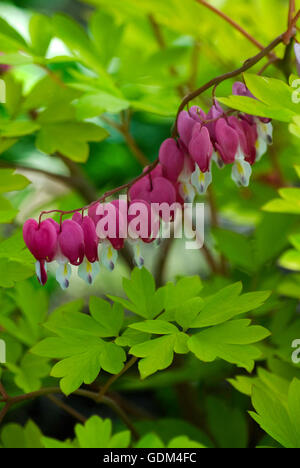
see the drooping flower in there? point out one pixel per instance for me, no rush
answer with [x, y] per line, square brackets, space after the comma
[201, 151]
[263, 124]
[143, 227]
[153, 189]
[111, 229]
[89, 268]
[41, 240]
[232, 144]
[70, 250]
[227, 141]
[171, 158]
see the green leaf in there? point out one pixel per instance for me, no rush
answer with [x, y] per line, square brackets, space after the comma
[150, 441]
[158, 354]
[271, 91]
[103, 26]
[93, 105]
[29, 372]
[252, 106]
[40, 33]
[97, 433]
[76, 39]
[144, 300]
[16, 59]
[17, 128]
[7, 216]
[226, 304]
[105, 321]
[242, 384]
[273, 417]
[82, 356]
[131, 337]
[231, 341]
[181, 300]
[157, 327]
[34, 306]
[228, 425]
[289, 203]
[11, 272]
[15, 436]
[48, 442]
[111, 318]
[183, 442]
[69, 138]
[290, 260]
[9, 181]
[10, 39]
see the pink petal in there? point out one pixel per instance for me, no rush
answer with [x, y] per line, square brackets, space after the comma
[214, 113]
[171, 158]
[41, 239]
[116, 227]
[144, 213]
[201, 148]
[227, 141]
[90, 236]
[71, 242]
[185, 127]
[240, 89]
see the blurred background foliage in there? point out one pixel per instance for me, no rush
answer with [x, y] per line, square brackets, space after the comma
[88, 104]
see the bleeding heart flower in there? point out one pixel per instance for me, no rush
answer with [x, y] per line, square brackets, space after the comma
[201, 148]
[153, 190]
[227, 141]
[112, 223]
[143, 226]
[71, 242]
[89, 268]
[171, 158]
[41, 240]
[214, 113]
[90, 236]
[185, 125]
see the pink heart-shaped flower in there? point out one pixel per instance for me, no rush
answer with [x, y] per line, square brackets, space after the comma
[41, 239]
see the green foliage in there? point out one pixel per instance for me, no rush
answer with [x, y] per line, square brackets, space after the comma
[82, 351]
[274, 99]
[83, 97]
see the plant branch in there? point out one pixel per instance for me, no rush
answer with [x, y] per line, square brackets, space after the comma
[10, 401]
[234, 25]
[68, 409]
[3, 392]
[106, 195]
[113, 378]
[292, 10]
[219, 79]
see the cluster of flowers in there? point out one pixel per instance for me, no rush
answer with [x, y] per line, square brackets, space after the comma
[236, 140]
[89, 240]
[183, 170]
